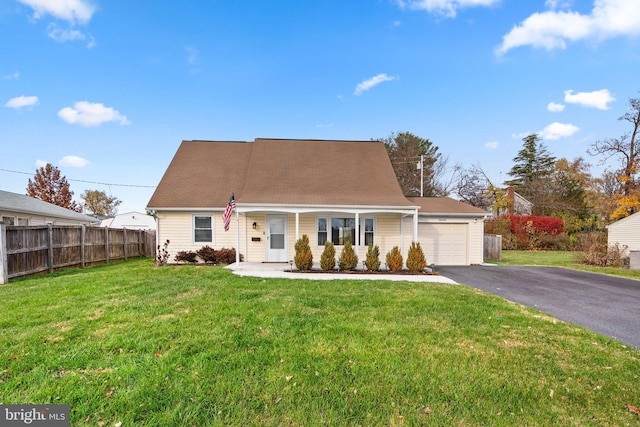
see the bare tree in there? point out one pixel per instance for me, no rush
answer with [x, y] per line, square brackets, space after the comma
[626, 150]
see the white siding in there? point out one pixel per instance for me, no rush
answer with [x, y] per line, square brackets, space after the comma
[626, 232]
[177, 227]
[447, 241]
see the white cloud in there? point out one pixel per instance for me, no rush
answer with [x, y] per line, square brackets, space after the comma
[13, 76]
[62, 35]
[491, 145]
[555, 108]
[520, 135]
[373, 81]
[91, 114]
[73, 162]
[553, 29]
[41, 163]
[448, 8]
[396, 23]
[599, 99]
[72, 11]
[558, 130]
[21, 101]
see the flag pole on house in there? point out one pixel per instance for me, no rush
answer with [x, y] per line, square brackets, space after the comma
[226, 217]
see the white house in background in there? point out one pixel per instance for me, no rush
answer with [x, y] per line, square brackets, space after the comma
[626, 231]
[130, 221]
[18, 209]
[329, 190]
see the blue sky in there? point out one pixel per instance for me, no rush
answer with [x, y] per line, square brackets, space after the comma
[106, 90]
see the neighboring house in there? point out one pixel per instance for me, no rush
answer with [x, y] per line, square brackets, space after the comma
[328, 190]
[17, 209]
[130, 221]
[626, 231]
[518, 205]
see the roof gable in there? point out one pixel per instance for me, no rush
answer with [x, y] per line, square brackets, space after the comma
[279, 171]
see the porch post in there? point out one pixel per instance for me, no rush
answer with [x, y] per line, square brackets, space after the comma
[415, 226]
[297, 226]
[357, 242]
[237, 238]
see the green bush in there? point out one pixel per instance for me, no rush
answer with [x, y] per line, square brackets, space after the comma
[373, 258]
[348, 258]
[415, 258]
[303, 257]
[328, 258]
[394, 259]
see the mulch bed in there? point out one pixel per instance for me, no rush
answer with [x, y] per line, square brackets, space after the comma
[380, 272]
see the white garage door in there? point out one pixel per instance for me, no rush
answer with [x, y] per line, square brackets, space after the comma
[444, 244]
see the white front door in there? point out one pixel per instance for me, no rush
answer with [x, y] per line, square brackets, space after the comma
[277, 238]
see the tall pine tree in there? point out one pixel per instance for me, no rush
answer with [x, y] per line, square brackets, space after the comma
[532, 172]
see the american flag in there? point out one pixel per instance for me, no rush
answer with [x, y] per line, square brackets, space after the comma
[226, 217]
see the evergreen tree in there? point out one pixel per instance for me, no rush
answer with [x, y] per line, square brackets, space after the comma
[404, 151]
[532, 163]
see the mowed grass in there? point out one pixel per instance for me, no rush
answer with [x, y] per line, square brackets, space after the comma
[566, 259]
[134, 344]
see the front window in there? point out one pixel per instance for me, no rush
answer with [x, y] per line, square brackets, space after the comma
[368, 231]
[203, 229]
[343, 229]
[8, 220]
[322, 231]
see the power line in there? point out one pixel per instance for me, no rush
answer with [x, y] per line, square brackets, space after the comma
[87, 182]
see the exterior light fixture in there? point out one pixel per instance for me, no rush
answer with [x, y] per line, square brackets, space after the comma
[255, 225]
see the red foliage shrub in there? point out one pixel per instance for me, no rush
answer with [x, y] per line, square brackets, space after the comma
[536, 224]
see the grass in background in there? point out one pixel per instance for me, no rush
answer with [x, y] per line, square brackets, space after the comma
[559, 259]
[134, 344]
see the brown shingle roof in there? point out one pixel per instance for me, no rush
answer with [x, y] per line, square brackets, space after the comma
[279, 171]
[444, 205]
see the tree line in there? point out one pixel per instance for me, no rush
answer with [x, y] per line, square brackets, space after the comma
[563, 187]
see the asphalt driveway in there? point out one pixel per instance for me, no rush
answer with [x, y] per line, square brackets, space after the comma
[607, 305]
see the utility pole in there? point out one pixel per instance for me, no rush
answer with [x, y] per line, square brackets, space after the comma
[420, 166]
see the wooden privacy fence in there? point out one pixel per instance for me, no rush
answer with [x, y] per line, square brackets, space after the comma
[492, 246]
[26, 250]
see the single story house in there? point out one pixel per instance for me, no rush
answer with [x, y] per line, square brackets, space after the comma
[130, 221]
[18, 209]
[283, 188]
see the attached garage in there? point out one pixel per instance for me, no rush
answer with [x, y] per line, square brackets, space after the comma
[450, 232]
[444, 244]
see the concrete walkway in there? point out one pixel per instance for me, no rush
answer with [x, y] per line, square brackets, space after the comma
[282, 270]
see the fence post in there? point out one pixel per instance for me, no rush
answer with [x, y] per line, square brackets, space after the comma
[50, 246]
[82, 237]
[106, 245]
[4, 275]
[140, 253]
[124, 242]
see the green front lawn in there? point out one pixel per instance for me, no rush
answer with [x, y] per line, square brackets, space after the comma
[559, 259]
[134, 344]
